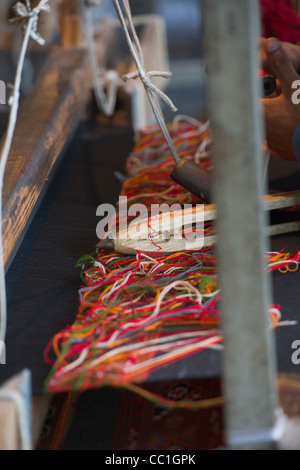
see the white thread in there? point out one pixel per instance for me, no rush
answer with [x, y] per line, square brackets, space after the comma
[191, 289]
[186, 118]
[74, 364]
[152, 91]
[283, 262]
[142, 347]
[186, 349]
[100, 265]
[287, 323]
[106, 102]
[117, 285]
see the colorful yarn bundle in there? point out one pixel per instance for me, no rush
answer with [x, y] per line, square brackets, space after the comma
[140, 313]
[150, 164]
[137, 314]
[283, 262]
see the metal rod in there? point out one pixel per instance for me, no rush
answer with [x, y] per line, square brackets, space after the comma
[231, 29]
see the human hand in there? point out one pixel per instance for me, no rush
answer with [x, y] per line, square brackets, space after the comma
[291, 50]
[281, 115]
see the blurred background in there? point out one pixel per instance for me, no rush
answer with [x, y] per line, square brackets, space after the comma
[184, 45]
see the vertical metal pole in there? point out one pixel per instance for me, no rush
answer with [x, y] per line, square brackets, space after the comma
[231, 28]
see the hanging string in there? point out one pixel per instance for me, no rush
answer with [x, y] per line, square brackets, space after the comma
[28, 17]
[152, 91]
[106, 102]
[173, 404]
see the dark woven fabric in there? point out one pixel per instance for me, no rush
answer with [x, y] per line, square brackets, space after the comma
[42, 282]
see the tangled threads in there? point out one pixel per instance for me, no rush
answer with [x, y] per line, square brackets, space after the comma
[133, 308]
[138, 313]
[150, 164]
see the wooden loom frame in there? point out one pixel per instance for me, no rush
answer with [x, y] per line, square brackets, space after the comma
[277, 201]
[33, 158]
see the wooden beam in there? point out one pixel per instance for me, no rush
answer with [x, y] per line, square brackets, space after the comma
[46, 120]
[15, 413]
[9, 435]
[70, 23]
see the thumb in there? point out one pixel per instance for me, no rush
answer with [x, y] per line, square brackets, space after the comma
[281, 65]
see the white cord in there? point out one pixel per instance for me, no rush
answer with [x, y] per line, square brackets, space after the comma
[105, 103]
[152, 91]
[29, 18]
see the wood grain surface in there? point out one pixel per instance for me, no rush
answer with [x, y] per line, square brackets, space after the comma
[46, 121]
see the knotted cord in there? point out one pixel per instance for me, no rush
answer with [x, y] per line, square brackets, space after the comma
[106, 102]
[152, 91]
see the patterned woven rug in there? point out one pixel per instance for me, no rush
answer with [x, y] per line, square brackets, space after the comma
[143, 425]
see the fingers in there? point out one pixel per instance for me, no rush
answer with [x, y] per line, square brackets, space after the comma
[261, 43]
[280, 64]
[262, 56]
[279, 127]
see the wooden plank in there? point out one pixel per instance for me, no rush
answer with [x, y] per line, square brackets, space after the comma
[46, 120]
[15, 413]
[70, 25]
[281, 200]
[9, 435]
[136, 237]
[10, 432]
[271, 202]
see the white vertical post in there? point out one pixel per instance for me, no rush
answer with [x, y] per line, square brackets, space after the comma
[231, 29]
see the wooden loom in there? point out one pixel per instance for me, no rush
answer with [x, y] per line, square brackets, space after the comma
[61, 98]
[33, 159]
